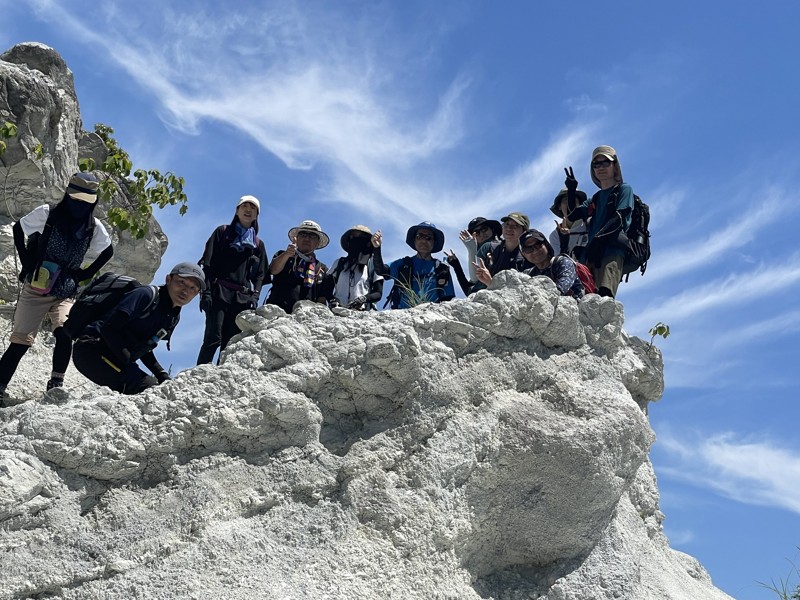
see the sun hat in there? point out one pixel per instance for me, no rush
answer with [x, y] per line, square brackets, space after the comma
[313, 227]
[535, 234]
[478, 222]
[580, 198]
[345, 239]
[83, 186]
[252, 200]
[187, 269]
[610, 154]
[438, 236]
[518, 218]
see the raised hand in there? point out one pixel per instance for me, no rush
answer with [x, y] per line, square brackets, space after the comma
[570, 182]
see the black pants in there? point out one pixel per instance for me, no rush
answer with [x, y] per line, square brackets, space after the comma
[220, 328]
[97, 363]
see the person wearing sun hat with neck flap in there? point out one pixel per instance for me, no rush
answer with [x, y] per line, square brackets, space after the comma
[58, 241]
[352, 281]
[297, 274]
[611, 209]
[235, 264]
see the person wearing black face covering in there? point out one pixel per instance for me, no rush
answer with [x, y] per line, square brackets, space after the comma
[58, 241]
[352, 281]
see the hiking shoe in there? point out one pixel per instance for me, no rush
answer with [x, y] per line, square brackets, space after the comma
[54, 383]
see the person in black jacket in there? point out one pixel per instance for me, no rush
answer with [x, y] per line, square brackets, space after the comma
[235, 265]
[109, 348]
[58, 241]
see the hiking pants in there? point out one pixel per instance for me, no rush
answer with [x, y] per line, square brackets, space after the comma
[220, 328]
[96, 362]
[31, 310]
[609, 274]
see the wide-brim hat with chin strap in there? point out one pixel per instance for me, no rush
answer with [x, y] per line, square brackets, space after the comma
[345, 239]
[478, 222]
[438, 236]
[313, 227]
[611, 154]
[83, 186]
[580, 198]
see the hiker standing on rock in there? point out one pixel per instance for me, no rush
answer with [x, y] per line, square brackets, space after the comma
[352, 281]
[235, 266]
[296, 272]
[59, 239]
[108, 348]
[611, 210]
[420, 278]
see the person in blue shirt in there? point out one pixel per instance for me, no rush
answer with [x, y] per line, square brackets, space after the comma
[420, 278]
[610, 211]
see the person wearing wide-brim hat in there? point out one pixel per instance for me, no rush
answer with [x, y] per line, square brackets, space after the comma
[479, 231]
[611, 209]
[58, 240]
[297, 274]
[568, 240]
[420, 278]
[235, 265]
[352, 281]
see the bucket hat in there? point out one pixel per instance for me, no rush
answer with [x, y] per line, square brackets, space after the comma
[438, 236]
[580, 198]
[313, 227]
[478, 222]
[345, 239]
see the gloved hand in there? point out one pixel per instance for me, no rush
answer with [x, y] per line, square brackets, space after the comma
[357, 302]
[205, 303]
[162, 376]
[570, 182]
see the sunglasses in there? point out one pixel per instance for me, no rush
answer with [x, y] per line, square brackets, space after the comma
[598, 164]
[424, 236]
[528, 248]
[307, 234]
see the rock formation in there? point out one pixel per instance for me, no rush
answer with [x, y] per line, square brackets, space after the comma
[490, 447]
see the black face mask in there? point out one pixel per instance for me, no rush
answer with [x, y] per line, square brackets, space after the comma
[78, 209]
[360, 245]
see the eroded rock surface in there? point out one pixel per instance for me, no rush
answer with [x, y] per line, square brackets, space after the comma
[493, 447]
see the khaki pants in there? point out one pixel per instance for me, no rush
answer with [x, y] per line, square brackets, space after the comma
[31, 310]
[609, 273]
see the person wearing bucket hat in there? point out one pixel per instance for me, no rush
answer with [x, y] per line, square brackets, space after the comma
[561, 269]
[420, 278]
[568, 240]
[59, 240]
[235, 266]
[352, 281]
[297, 274]
[498, 255]
[610, 209]
[108, 349]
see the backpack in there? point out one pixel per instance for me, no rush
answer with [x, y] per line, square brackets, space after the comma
[441, 272]
[637, 239]
[496, 251]
[99, 298]
[585, 275]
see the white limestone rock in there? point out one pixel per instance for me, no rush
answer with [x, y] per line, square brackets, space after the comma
[493, 447]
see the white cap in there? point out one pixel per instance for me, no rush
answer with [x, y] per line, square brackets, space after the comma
[251, 200]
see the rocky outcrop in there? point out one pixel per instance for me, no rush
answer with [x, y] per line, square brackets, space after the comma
[37, 94]
[492, 447]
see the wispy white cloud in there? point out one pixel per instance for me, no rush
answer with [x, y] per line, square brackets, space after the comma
[752, 471]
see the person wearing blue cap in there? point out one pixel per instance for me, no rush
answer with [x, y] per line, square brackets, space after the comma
[420, 278]
[109, 348]
[59, 239]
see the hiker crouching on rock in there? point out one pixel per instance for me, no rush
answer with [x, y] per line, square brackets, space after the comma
[352, 281]
[58, 241]
[235, 265]
[419, 278]
[560, 269]
[611, 210]
[108, 349]
[296, 272]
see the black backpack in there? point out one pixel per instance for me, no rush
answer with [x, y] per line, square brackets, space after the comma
[441, 271]
[638, 244]
[100, 298]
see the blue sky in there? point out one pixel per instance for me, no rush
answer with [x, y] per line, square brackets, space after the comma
[390, 113]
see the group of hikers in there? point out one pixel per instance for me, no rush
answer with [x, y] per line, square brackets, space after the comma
[117, 322]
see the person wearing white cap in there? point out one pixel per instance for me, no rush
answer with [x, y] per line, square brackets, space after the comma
[59, 239]
[235, 265]
[297, 274]
[108, 349]
[610, 209]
